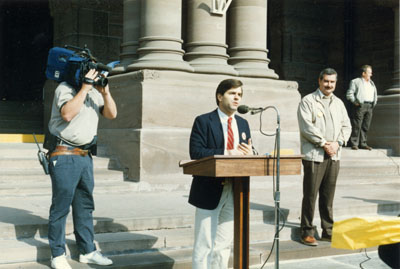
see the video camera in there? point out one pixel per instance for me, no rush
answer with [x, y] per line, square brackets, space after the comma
[64, 64]
[80, 63]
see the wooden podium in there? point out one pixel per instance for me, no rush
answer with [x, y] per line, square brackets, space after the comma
[240, 168]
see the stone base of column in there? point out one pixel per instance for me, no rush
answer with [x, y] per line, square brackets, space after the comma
[209, 58]
[156, 111]
[251, 62]
[160, 65]
[118, 69]
[385, 129]
[394, 90]
[159, 52]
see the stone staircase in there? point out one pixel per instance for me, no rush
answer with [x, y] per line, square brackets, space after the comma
[23, 117]
[143, 225]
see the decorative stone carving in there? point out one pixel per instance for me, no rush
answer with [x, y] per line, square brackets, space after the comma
[219, 7]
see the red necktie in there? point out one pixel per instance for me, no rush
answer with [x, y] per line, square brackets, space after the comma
[229, 145]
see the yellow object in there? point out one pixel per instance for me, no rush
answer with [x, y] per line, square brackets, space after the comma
[21, 138]
[283, 152]
[356, 233]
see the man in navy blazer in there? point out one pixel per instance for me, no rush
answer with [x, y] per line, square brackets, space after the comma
[213, 197]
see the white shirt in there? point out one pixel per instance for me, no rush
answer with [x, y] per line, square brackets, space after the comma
[224, 122]
[369, 91]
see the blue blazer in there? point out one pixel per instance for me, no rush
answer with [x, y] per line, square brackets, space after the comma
[207, 139]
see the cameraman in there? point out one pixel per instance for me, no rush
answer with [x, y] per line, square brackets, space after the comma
[74, 120]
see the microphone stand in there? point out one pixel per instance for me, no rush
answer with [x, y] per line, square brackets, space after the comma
[276, 181]
[277, 195]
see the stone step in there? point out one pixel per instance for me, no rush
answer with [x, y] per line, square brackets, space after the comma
[108, 181]
[22, 223]
[24, 150]
[181, 258]
[19, 177]
[119, 243]
[21, 127]
[31, 162]
[37, 249]
[143, 225]
[347, 152]
[44, 188]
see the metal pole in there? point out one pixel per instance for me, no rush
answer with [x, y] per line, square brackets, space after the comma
[277, 194]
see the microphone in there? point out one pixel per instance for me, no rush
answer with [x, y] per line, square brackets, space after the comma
[243, 109]
[102, 67]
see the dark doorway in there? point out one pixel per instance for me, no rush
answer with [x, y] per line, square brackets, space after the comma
[26, 34]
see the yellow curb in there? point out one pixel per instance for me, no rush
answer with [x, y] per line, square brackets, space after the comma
[21, 138]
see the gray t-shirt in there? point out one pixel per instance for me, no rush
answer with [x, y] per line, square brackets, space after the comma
[83, 127]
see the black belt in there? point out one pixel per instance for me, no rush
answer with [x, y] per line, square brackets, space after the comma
[371, 103]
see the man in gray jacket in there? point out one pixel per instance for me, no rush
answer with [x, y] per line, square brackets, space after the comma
[363, 96]
[324, 128]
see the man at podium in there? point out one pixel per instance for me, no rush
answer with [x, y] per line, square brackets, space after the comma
[220, 132]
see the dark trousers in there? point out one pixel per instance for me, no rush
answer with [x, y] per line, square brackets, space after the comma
[72, 185]
[361, 120]
[319, 178]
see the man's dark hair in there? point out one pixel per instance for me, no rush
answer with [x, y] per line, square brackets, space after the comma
[327, 71]
[226, 85]
[365, 67]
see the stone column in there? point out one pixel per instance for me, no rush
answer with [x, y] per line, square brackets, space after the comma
[395, 88]
[131, 34]
[385, 128]
[160, 44]
[206, 39]
[248, 38]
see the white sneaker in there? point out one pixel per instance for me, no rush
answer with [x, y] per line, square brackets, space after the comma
[60, 262]
[95, 257]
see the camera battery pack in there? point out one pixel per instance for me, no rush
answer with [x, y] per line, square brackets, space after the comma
[57, 63]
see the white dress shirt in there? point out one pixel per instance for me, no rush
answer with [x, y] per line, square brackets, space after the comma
[369, 91]
[224, 121]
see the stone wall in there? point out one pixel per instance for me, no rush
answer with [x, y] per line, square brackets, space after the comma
[306, 36]
[373, 41]
[97, 24]
[157, 108]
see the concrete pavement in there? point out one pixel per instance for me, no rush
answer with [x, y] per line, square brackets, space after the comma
[369, 260]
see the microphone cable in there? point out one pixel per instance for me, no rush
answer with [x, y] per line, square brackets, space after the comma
[274, 168]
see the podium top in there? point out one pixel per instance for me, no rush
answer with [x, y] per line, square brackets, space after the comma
[242, 165]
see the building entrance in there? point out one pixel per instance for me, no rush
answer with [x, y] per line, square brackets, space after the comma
[26, 34]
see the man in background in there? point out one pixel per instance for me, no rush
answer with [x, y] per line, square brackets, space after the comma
[362, 94]
[324, 128]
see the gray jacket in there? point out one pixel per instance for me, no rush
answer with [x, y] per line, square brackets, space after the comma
[355, 93]
[311, 119]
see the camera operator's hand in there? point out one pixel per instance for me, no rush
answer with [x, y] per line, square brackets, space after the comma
[110, 108]
[91, 75]
[103, 90]
[73, 106]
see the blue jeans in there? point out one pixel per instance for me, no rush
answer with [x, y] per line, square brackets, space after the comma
[72, 185]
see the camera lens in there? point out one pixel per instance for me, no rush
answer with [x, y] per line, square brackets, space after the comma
[102, 81]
